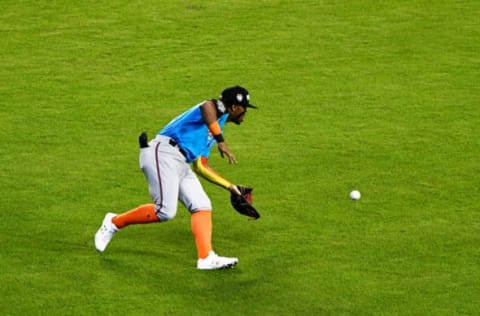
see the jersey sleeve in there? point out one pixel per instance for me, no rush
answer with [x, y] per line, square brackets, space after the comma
[201, 167]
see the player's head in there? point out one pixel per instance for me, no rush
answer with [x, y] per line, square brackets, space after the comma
[236, 99]
[236, 95]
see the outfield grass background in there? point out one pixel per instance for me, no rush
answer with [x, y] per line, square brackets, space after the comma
[379, 96]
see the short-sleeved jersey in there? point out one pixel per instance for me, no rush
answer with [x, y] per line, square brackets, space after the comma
[191, 133]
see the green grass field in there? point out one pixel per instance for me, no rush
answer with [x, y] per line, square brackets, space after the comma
[379, 96]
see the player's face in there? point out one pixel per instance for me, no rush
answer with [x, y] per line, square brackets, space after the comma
[237, 114]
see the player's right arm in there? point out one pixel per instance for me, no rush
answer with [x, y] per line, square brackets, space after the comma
[210, 117]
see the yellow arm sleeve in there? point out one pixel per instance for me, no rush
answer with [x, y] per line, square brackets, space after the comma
[200, 166]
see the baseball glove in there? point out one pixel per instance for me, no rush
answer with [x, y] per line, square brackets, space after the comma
[243, 203]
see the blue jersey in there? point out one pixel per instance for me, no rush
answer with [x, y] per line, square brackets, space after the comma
[191, 133]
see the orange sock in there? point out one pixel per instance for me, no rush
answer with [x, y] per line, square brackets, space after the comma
[143, 214]
[202, 232]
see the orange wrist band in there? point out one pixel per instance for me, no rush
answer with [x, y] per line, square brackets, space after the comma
[214, 128]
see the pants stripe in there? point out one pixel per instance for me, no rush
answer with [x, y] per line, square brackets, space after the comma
[159, 179]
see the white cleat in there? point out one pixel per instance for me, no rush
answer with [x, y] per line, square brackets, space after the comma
[215, 262]
[105, 232]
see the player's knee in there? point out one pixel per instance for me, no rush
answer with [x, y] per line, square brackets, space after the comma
[165, 214]
[204, 204]
[165, 217]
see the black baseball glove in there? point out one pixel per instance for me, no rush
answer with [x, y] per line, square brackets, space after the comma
[243, 203]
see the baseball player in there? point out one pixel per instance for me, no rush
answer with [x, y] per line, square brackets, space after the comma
[166, 160]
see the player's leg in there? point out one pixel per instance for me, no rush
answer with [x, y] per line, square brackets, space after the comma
[194, 198]
[162, 171]
[112, 222]
[142, 214]
[162, 181]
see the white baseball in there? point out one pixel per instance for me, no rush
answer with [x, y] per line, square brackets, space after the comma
[355, 195]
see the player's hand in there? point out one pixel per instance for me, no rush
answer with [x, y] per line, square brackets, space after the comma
[224, 151]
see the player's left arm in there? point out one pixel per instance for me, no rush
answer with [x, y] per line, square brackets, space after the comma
[201, 167]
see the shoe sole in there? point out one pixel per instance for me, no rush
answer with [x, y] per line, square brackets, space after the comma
[229, 266]
[224, 267]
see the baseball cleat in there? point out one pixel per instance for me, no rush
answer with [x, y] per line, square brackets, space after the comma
[105, 232]
[215, 262]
